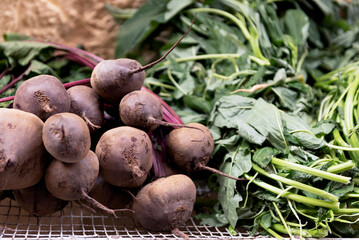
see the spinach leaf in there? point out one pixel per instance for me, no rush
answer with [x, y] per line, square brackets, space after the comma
[145, 21]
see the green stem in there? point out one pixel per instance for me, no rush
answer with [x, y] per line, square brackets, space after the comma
[282, 219]
[338, 138]
[155, 83]
[296, 184]
[349, 149]
[175, 83]
[311, 171]
[270, 231]
[356, 180]
[346, 210]
[292, 224]
[316, 233]
[253, 42]
[349, 125]
[347, 68]
[293, 196]
[350, 195]
[342, 167]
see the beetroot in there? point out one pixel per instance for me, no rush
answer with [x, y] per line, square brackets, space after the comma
[88, 105]
[111, 196]
[73, 181]
[43, 95]
[191, 148]
[165, 204]
[66, 137]
[143, 110]
[125, 155]
[113, 79]
[38, 201]
[22, 153]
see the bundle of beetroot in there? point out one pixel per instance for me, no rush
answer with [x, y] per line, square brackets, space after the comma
[100, 141]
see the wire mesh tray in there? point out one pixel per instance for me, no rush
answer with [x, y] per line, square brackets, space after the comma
[74, 221]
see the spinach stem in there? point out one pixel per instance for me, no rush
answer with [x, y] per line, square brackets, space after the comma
[149, 81]
[311, 171]
[346, 210]
[349, 149]
[338, 138]
[270, 231]
[174, 82]
[282, 220]
[296, 184]
[342, 167]
[316, 233]
[293, 196]
[253, 41]
[292, 224]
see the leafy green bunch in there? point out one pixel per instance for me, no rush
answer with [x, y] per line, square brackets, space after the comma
[255, 73]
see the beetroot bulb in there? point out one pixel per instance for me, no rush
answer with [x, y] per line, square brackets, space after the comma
[113, 79]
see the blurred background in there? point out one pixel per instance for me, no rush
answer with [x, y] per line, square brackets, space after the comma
[84, 23]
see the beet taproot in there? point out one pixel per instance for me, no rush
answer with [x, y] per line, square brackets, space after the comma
[66, 137]
[190, 149]
[37, 200]
[165, 204]
[43, 95]
[111, 196]
[73, 181]
[113, 79]
[143, 110]
[22, 153]
[88, 105]
[125, 155]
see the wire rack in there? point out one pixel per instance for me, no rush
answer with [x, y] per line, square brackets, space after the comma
[76, 222]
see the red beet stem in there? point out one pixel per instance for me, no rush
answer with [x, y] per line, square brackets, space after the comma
[97, 59]
[80, 59]
[14, 81]
[85, 81]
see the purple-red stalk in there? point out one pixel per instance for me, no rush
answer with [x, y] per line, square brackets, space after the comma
[14, 81]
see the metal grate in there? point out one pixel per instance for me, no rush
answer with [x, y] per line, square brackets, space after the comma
[76, 222]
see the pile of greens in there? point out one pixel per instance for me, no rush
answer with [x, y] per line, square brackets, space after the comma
[276, 82]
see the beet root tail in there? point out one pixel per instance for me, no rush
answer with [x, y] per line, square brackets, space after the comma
[168, 52]
[95, 204]
[203, 167]
[179, 233]
[167, 124]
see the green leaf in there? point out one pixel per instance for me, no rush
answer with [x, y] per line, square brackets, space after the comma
[215, 220]
[296, 24]
[286, 96]
[323, 127]
[144, 21]
[23, 52]
[249, 133]
[230, 108]
[197, 103]
[301, 132]
[263, 156]
[339, 189]
[188, 115]
[266, 220]
[236, 162]
[15, 37]
[38, 68]
[266, 119]
[118, 14]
